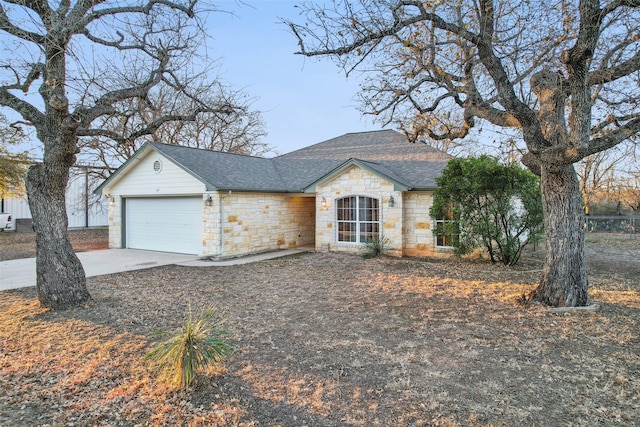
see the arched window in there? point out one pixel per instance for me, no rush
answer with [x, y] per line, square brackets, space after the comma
[358, 219]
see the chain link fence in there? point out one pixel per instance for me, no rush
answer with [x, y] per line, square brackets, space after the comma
[614, 224]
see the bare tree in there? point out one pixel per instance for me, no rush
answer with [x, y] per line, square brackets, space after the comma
[628, 190]
[63, 78]
[597, 175]
[563, 74]
[238, 131]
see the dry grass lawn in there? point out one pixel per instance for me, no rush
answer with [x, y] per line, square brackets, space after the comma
[335, 340]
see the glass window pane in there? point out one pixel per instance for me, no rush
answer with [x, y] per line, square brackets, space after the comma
[358, 218]
[346, 232]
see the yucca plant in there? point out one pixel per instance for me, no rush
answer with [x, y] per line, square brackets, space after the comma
[376, 246]
[199, 345]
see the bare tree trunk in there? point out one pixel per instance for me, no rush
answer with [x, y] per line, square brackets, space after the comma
[61, 281]
[564, 279]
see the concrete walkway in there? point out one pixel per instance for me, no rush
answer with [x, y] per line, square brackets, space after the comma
[21, 273]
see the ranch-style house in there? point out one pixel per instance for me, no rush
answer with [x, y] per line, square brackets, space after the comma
[331, 196]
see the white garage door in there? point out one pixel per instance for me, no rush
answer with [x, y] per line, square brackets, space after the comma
[167, 224]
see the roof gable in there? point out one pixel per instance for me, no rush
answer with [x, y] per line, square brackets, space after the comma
[375, 168]
[387, 153]
[216, 170]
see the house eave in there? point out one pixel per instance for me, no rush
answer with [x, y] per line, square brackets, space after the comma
[262, 190]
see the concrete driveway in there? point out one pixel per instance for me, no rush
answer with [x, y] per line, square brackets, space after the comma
[21, 273]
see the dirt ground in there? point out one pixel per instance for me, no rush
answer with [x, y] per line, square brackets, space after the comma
[335, 340]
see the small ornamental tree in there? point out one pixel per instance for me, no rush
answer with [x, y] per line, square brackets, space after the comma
[494, 206]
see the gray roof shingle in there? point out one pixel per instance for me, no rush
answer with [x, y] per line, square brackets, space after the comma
[374, 146]
[414, 166]
[225, 171]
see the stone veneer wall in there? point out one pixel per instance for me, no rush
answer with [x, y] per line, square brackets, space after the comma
[115, 222]
[211, 224]
[418, 232]
[258, 222]
[357, 182]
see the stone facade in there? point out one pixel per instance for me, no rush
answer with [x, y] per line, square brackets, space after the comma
[356, 181]
[418, 225]
[115, 222]
[211, 215]
[257, 222]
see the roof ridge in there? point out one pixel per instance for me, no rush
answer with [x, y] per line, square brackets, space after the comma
[370, 131]
[277, 169]
[207, 149]
[338, 137]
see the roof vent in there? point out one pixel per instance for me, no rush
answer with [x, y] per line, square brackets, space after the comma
[157, 166]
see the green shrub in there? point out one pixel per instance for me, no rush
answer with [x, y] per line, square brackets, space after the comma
[486, 204]
[376, 246]
[199, 345]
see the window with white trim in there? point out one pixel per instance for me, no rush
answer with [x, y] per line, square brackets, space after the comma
[358, 219]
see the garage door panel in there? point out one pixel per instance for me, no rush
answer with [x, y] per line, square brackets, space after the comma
[167, 224]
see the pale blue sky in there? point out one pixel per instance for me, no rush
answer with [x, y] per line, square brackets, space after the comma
[303, 100]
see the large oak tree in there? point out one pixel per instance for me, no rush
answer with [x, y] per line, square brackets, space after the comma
[563, 74]
[65, 75]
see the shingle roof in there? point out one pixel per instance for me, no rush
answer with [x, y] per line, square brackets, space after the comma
[225, 171]
[414, 165]
[387, 152]
[375, 146]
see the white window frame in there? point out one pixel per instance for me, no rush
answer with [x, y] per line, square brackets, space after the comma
[358, 226]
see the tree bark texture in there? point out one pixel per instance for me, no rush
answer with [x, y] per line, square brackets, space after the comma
[61, 282]
[564, 278]
[60, 277]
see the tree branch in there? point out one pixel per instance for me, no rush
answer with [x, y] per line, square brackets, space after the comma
[527, 118]
[26, 110]
[81, 19]
[157, 123]
[41, 8]
[607, 75]
[8, 27]
[616, 4]
[612, 138]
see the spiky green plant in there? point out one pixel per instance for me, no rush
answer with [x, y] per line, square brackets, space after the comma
[199, 345]
[376, 246]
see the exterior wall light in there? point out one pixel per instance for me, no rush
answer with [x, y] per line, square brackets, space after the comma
[208, 201]
[392, 202]
[324, 202]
